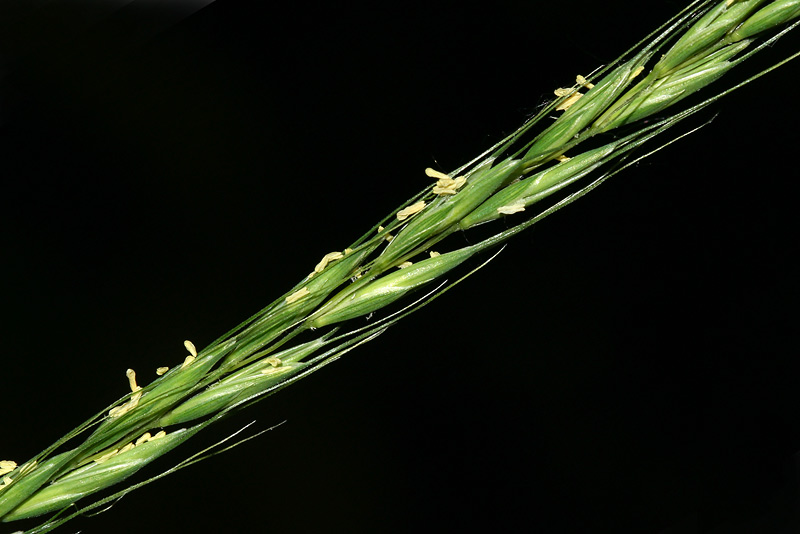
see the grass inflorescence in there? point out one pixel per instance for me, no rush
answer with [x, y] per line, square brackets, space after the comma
[310, 325]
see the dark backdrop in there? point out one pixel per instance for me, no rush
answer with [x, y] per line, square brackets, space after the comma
[628, 364]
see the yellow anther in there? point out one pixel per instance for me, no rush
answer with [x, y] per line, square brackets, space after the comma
[387, 237]
[134, 400]
[636, 72]
[144, 439]
[562, 91]
[274, 361]
[131, 374]
[6, 466]
[160, 434]
[297, 295]
[126, 448]
[449, 186]
[347, 251]
[6, 482]
[161, 370]
[562, 158]
[433, 173]
[187, 361]
[512, 208]
[128, 406]
[106, 456]
[405, 264]
[566, 104]
[190, 347]
[413, 209]
[331, 256]
[434, 254]
[583, 82]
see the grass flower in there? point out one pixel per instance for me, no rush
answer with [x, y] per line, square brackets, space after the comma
[607, 122]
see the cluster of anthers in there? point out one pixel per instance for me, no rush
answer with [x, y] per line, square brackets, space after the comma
[136, 389]
[143, 439]
[444, 184]
[6, 466]
[274, 362]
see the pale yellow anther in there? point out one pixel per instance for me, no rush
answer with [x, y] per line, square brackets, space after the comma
[6, 482]
[106, 456]
[128, 406]
[433, 173]
[512, 208]
[126, 448]
[405, 264]
[566, 104]
[562, 158]
[6, 466]
[160, 434]
[434, 254]
[161, 370]
[347, 251]
[274, 361]
[562, 91]
[134, 400]
[331, 256]
[190, 347]
[636, 72]
[583, 82]
[387, 237]
[143, 439]
[297, 295]
[729, 2]
[131, 374]
[449, 186]
[408, 211]
[187, 361]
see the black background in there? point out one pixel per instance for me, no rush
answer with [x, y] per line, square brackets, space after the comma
[627, 365]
